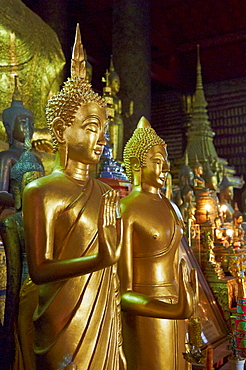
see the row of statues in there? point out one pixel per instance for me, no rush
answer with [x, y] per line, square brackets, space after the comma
[91, 255]
[202, 199]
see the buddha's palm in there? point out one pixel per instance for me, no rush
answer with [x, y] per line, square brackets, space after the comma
[109, 228]
[188, 291]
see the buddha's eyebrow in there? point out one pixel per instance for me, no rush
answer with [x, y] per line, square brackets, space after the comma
[88, 121]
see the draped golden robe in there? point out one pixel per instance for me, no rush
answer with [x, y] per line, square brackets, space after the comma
[77, 320]
[149, 342]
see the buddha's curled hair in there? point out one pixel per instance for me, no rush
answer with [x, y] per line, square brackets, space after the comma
[142, 140]
[75, 92]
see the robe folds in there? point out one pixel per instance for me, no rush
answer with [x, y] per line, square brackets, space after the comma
[77, 320]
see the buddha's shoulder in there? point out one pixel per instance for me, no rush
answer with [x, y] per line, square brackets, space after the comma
[50, 183]
[132, 202]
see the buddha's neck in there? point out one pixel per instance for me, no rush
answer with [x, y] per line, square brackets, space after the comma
[151, 189]
[77, 170]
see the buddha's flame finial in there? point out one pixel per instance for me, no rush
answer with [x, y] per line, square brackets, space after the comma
[111, 68]
[16, 94]
[78, 65]
[143, 123]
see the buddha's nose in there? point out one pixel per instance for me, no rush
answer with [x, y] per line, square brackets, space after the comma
[102, 139]
[166, 167]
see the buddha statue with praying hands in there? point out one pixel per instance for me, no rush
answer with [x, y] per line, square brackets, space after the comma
[73, 237]
[156, 293]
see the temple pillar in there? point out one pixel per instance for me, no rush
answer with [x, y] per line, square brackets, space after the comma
[132, 59]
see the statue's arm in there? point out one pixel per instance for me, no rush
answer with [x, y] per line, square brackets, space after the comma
[6, 198]
[39, 222]
[141, 304]
[5, 167]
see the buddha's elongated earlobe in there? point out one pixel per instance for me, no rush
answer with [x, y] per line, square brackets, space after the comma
[63, 152]
[136, 170]
[58, 128]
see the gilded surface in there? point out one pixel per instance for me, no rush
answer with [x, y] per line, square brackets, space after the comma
[73, 238]
[152, 290]
[30, 49]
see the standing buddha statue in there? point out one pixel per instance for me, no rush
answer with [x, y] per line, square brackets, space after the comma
[156, 293]
[73, 237]
[226, 198]
[198, 181]
[238, 235]
[116, 131]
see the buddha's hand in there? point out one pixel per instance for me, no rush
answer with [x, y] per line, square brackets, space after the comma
[109, 228]
[188, 291]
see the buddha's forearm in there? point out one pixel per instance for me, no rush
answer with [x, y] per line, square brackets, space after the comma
[142, 305]
[52, 270]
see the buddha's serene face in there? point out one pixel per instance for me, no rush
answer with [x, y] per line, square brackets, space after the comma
[115, 85]
[86, 136]
[155, 171]
[22, 122]
[199, 170]
[229, 193]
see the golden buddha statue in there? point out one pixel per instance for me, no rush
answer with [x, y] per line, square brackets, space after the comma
[187, 196]
[198, 181]
[226, 198]
[238, 235]
[116, 130]
[73, 237]
[156, 293]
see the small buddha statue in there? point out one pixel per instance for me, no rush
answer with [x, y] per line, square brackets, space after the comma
[16, 119]
[117, 128]
[198, 182]
[155, 301]
[219, 233]
[212, 186]
[187, 196]
[238, 234]
[226, 197]
[186, 175]
[73, 237]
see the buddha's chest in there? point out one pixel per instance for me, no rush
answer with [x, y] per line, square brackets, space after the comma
[154, 231]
